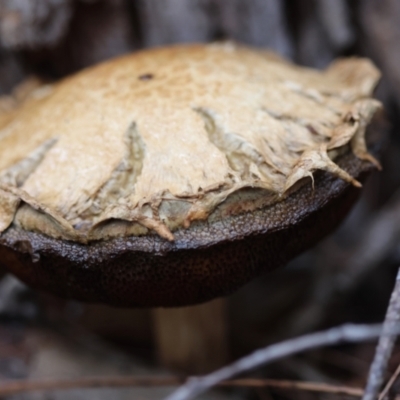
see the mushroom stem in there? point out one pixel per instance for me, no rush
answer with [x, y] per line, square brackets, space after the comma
[192, 339]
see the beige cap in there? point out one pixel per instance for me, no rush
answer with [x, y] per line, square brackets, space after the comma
[153, 141]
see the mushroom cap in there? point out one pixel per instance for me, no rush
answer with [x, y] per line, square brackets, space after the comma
[174, 175]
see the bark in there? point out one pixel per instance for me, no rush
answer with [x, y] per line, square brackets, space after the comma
[175, 21]
[256, 22]
[381, 37]
[33, 23]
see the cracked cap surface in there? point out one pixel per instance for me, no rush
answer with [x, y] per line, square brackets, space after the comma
[153, 141]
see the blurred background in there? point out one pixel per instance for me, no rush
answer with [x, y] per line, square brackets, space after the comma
[347, 277]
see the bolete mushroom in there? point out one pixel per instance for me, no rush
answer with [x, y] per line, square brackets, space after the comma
[175, 175]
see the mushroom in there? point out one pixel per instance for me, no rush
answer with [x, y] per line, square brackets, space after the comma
[173, 176]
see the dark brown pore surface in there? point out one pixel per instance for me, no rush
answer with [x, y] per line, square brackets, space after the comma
[204, 261]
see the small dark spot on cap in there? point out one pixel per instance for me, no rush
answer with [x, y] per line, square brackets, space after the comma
[312, 130]
[146, 77]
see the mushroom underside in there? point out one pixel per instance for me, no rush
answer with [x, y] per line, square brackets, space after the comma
[205, 261]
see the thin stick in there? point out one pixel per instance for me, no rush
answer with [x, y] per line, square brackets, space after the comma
[11, 388]
[294, 385]
[390, 383]
[21, 386]
[344, 333]
[385, 345]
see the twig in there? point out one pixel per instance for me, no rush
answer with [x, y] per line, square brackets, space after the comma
[390, 383]
[22, 386]
[385, 345]
[344, 333]
[293, 385]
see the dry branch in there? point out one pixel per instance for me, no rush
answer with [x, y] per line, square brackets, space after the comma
[385, 345]
[344, 333]
[390, 383]
[24, 386]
